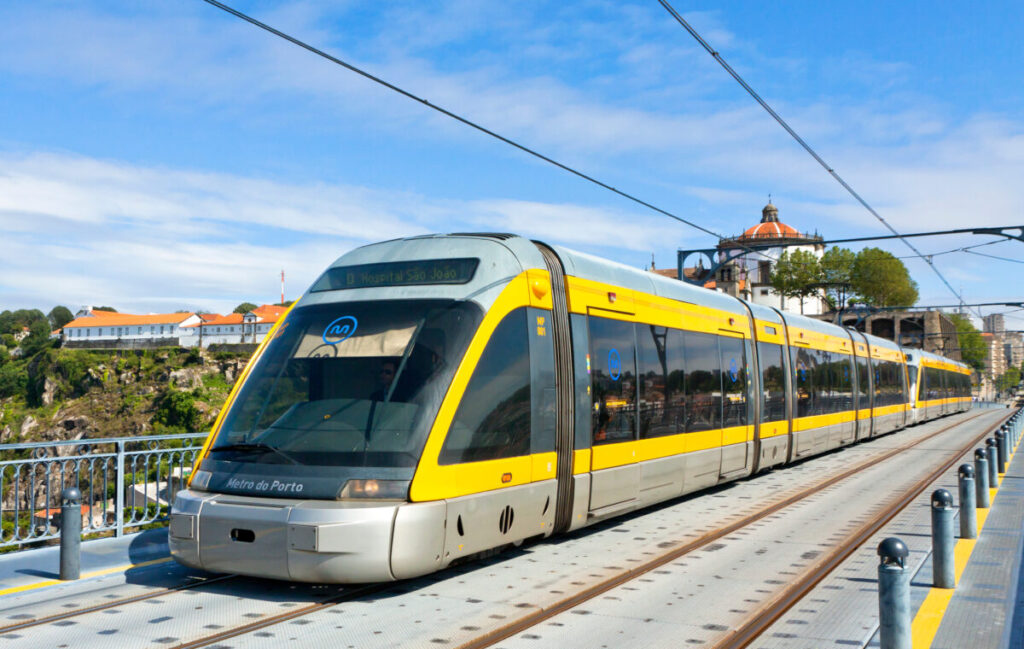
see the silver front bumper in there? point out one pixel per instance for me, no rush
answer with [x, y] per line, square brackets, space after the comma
[306, 540]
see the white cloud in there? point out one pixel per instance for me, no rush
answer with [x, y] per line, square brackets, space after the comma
[86, 231]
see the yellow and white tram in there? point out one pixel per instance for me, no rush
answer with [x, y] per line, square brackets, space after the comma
[432, 398]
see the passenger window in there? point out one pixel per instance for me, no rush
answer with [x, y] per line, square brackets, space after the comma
[734, 381]
[773, 382]
[703, 382]
[660, 358]
[803, 380]
[613, 376]
[846, 381]
[863, 383]
[822, 383]
[493, 419]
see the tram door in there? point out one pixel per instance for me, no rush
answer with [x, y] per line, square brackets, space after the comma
[615, 474]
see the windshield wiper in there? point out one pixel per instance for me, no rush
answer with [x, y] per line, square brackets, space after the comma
[258, 447]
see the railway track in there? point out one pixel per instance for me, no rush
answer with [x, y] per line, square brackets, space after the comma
[114, 603]
[743, 635]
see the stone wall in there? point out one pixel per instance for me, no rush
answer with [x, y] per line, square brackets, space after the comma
[124, 343]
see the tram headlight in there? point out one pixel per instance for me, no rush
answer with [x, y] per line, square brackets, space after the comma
[383, 489]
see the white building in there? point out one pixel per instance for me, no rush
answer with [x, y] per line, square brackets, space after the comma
[234, 328]
[111, 329]
[748, 275]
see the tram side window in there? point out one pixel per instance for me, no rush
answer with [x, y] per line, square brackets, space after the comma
[843, 382]
[933, 383]
[660, 359]
[734, 381]
[804, 362]
[613, 374]
[703, 382]
[493, 419]
[863, 383]
[922, 384]
[880, 380]
[883, 389]
[773, 382]
[822, 383]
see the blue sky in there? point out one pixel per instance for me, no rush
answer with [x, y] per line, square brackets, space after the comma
[157, 156]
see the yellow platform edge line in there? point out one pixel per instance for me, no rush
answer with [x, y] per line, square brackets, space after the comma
[88, 575]
[933, 608]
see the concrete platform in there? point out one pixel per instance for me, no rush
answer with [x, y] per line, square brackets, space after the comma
[985, 609]
[31, 569]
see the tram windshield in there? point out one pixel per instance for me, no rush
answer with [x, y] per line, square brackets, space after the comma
[349, 384]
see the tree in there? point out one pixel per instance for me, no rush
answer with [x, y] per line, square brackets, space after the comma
[796, 274]
[837, 275]
[880, 279]
[11, 322]
[105, 308]
[244, 307]
[1009, 380]
[973, 349]
[60, 316]
[37, 339]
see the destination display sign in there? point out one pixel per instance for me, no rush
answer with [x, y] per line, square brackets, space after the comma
[398, 273]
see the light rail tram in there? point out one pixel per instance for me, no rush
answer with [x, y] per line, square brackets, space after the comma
[433, 398]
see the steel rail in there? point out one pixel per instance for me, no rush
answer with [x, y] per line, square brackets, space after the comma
[797, 590]
[334, 600]
[48, 619]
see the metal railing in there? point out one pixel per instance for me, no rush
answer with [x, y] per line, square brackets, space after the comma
[125, 482]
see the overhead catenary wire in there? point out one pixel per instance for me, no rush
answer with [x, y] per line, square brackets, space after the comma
[952, 250]
[718, 57]
[468, 122]
[981, 254]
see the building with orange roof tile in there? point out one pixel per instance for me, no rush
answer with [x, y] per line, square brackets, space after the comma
[110, 330]
[234, 328]
[748, 275]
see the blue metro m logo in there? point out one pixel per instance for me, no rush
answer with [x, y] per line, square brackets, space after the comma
[340, 329]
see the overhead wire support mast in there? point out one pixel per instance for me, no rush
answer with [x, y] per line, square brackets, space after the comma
[718, 57]
[463, 120]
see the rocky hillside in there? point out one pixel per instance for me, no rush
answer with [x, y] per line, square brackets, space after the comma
[68, 394]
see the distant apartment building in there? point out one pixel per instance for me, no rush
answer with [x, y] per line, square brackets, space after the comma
[111, 330]
[994, 323]
[234, 328]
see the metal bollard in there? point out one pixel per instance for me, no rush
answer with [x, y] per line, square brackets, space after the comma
[70, 533]
[943, 573]
[968, 502]
[893, 595]
[1001, 452]
[981, 470]
[993, 466]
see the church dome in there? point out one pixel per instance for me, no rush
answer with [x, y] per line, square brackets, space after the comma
[770, 227]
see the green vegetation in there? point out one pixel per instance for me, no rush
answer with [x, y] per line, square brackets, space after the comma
[109, 393]
[177, 412]
[244, 307]
[797, 275]
[973, 349]
[59, 316]
[1009, 380]
[872, 277]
